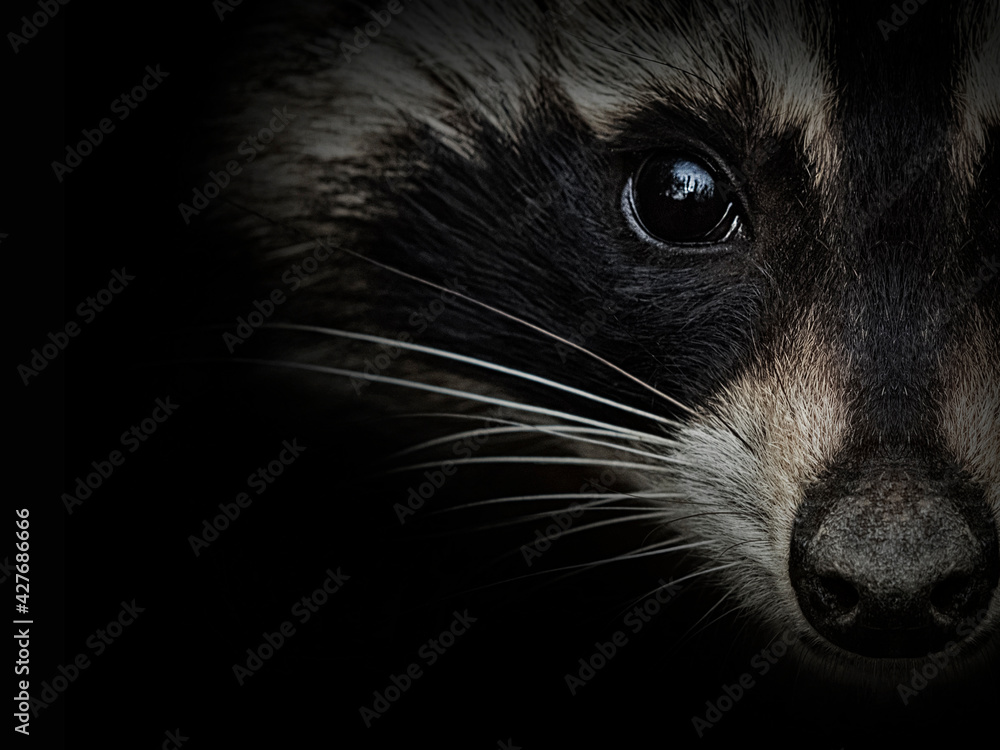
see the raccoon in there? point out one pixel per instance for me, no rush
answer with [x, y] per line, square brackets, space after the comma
[695, 301]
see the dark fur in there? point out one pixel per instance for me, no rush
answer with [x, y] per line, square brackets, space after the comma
[884, 250]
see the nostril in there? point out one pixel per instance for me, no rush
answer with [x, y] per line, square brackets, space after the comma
[888, 559]
[838, 594]
[952, 594]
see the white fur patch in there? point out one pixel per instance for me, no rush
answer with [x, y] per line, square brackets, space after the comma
[977, 91]
[645, 51]
[792, 415]
[970, 414]
[439, 60]
[434, 64]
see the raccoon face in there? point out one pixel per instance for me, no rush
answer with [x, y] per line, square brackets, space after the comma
[744, 258]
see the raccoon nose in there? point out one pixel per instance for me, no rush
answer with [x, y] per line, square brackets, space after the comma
[888, 563]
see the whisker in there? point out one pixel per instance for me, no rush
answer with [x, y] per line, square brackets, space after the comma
[538, 460]
[623, 558]
[559, 496]
[691, 632]
[592, 508]
[702, 515]
[334, 332]
[644, 551]
[414, 384]
[483, 305]
[612, 522]
[590, 441]
[567, 532]
[740, 544]
[645, 596]
[556, 430]
[636, 435]
[582, 567]
[651, 550]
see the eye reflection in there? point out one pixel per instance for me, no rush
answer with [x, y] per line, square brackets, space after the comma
[678, 200]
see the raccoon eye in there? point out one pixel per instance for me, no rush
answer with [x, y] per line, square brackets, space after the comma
[679, 200]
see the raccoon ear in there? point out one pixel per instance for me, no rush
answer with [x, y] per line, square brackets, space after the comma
[677, 199]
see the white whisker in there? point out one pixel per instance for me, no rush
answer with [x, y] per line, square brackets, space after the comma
[648, 594]
[479, 303]
[691, 632]
[601, 496]
[548, 514]
[538, 460]
[612, 522]
[558, 433]
[582, 567]
[473, 361]
[556, 430]
[420, 386]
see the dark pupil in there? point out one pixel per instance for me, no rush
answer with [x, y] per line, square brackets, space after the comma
[677, 200]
